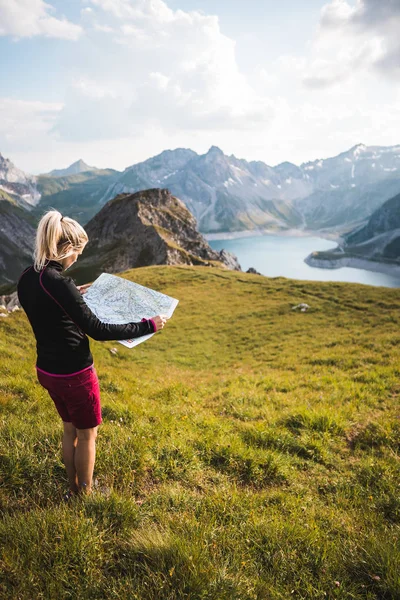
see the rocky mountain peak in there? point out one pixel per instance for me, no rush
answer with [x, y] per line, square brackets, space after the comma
[151, 201]
[78, 166]
[17, 234]
[20, 186]
[384, 220]
[359, 148]
[150, 227]
[215, 151]
[178, 153]
[288, 169]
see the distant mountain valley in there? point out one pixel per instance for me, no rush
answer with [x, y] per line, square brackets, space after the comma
[378, 241]
[333, 197]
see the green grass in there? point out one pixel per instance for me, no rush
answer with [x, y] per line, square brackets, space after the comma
[78, 195]
[248, 451]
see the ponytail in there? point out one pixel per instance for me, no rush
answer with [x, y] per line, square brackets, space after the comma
[56, 238]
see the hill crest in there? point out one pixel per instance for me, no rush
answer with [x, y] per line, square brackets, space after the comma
[151, 227]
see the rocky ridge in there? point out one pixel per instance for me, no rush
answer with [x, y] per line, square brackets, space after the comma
[365, 247]
[227, 194]
[9, 303]
[17, 235]
[152, 227]
[77, 167]
[78, 196]
[17, 184]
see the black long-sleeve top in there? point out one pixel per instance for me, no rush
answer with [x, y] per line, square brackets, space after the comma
[61, 320]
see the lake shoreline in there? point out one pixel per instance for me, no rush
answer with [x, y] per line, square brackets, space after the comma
[294, 255]
[235, 235]
[353, 263]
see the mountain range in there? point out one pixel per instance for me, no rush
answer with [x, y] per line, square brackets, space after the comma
[19, 186]
[150, 227]
[17, 233]
[77, 167]
[376, 241]
[382, 231]
[344, 195]
[225, 193]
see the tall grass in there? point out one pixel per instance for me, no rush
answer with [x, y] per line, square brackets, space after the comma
[247, 451]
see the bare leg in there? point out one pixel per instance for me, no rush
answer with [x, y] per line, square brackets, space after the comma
[69, 442]
[85, 455]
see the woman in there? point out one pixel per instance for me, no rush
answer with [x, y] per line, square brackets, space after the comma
[61, 322]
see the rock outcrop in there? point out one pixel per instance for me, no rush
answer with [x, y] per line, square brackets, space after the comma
[20, 186]
[147, 228]
[253, 271]
[77, 167]
[226, 193]
[9, 303]
[381, 235]
[17, 235]
[365, 247]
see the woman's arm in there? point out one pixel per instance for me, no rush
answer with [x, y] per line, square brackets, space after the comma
[83, 288]
[65, 293]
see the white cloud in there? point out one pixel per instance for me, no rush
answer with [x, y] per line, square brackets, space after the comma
[27, 137]
[91, 89]
[103, 28]
[180, 72]
[145, 78]
[87, 11]
[28, 18]
[355, 38]
[132, 9]
[23, 121]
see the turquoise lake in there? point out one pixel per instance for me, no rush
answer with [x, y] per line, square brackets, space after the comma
[283, 256]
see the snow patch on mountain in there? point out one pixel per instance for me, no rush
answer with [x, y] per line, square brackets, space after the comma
[226, 193]
[21, 186]
[359, 150]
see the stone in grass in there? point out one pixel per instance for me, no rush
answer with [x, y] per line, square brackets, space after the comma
[103, 489]
[253, 271]
[302, 307]
[10, 302]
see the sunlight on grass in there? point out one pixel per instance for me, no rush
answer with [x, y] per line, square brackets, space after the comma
[246, 451]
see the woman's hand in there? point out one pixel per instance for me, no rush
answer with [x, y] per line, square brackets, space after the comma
[160, 321]
[84, 288]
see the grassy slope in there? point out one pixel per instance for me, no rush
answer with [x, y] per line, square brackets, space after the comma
[7, 197]
[252, 452]
[77, 195]
[15, 255]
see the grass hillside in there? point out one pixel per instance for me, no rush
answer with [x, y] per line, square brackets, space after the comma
[248, 451]
[78, 195]
[7, 197]
[17, 235]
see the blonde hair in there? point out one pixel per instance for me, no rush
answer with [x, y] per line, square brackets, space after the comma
[56, 238]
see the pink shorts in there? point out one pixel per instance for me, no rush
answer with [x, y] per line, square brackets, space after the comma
[76, 396]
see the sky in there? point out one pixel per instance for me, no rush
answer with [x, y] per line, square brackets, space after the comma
[115, 82]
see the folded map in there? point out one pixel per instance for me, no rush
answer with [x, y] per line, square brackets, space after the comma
[117, 300]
